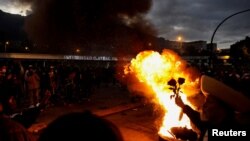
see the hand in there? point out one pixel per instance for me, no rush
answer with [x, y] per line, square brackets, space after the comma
[179, 102]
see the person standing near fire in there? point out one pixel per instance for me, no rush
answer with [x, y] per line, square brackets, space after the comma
[52, 80]
[218, 110]
[33, 86]
[212, 115]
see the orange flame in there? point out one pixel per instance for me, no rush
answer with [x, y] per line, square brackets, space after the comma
[154, 70]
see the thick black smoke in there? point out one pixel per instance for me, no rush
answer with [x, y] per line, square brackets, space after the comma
[104, 25]
[23, 1]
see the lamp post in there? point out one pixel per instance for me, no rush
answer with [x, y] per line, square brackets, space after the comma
[179, 39]
[5, 46]
[212, 38]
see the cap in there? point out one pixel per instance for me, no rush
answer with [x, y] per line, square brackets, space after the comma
[235, 99]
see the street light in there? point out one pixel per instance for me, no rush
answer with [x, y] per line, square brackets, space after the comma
[5, 46]
[212, 38]
[179, 39]
[26, 48]
[78, 50]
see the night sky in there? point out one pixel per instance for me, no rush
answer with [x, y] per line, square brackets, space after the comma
[192, 19]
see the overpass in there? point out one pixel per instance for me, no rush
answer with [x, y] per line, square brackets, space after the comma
[60, 57]
[85, 57]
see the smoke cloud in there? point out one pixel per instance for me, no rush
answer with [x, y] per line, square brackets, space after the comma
[105, 25]
[23, 1]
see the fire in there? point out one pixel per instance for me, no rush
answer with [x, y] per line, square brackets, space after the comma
[154, 70]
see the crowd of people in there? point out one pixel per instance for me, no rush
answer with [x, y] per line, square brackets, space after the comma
[27, 88]
[66, 81]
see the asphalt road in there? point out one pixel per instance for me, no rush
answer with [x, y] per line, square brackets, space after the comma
[137, 124]
[134, 118]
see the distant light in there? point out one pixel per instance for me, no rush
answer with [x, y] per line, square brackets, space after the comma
[225, 57]
[26, 48]
[218, 50]
[5, 46]
[78, 50]
[179, 38]
[149, 44]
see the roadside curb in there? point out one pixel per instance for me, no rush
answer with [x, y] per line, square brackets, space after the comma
[116, 109]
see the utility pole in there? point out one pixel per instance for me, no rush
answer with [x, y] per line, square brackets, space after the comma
[212, 38]
[5, 46]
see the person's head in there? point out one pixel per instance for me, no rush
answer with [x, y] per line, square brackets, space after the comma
[219, 107]
[216, 111]
[11, 130]
[7, 99]
[83, 126]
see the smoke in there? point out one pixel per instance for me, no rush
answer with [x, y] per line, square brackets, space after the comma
[23, 1]
[109, 25]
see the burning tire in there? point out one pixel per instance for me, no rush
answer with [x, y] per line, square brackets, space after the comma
[180, 134]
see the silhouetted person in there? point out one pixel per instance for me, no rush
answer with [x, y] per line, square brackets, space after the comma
[81, 126]
[214, 114]
[224, 108]
[33, 84]
[11, 130]
[26, 117]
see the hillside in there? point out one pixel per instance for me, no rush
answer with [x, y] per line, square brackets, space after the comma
[11, 26]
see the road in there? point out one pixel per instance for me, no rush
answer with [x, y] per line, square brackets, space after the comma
[134, 118]
[137, 124]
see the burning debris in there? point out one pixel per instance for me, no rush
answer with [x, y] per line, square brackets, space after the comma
[154, 70]
[180, 120]
[182, 133]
